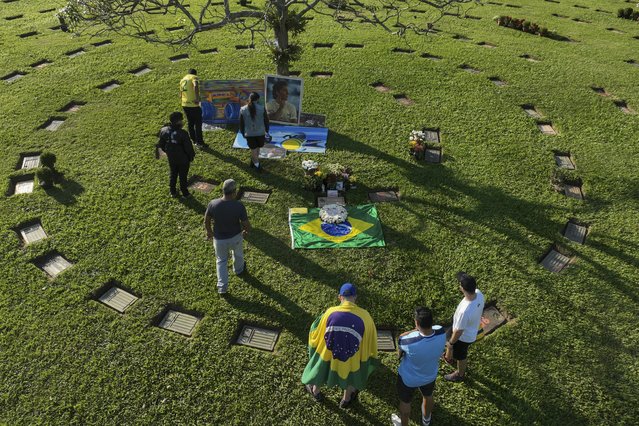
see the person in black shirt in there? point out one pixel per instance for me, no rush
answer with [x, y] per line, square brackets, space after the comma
[176, 143]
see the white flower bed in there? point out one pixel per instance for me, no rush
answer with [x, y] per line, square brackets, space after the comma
[333, 213]
[310, 165]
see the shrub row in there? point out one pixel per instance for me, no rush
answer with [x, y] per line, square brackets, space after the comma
[527, 27]
[628, 13]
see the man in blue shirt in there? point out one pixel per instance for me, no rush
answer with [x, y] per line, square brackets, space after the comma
[419, 350]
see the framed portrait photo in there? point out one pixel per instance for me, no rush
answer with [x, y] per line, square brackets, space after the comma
[283, 98]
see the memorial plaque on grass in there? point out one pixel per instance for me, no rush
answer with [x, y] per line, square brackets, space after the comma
[554, 261]
[486, 45]
[109, 85]
[401, 50]
[102, 43]
[56, 28]
[381, 87]
[556, 15]
[72, 107]
[322, 74]
[179, 322]
[546, 128]
[578, 6]
[272, 152]
[600, 91]
[53, 264]
[46, 10]
[614, 30]
[322, 45]
[573, 190]
[431, 57]
[475, 18]
[53, 124]
[354, 46]
[385, 340]
[202, 185]
[75, 53]
[176, 28]
[623, 107]
[322, 201]
[581, 21]
[252, 196]
[469, 69]
[244, 47]
[575, 231]
[497, 81]
[514, 6]
[11, 18]
[145, 33]
[491, 319]
[531, 111]
[258, 337]
[29, 161]
[116, 298]
[402, 99]
[140, 71]
[529, 58]
[603, 11]
[41, 64]
[28, 34]
[209, 51]
[10, 78]
[417, 11]
[21, 185]
[432, 134]
[32, 233]
[564, 160]
[383, 196]
[178, 58]
[632, 62]
[433, 155]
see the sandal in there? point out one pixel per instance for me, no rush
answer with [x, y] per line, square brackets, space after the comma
[318, 398]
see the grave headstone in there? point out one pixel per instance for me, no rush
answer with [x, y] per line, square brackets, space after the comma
[486, 45]
[32, 233]
[176, 28]
[117, 299]
[140, 71]
[575, 232]
[431, 57]
[209, 51]
[109, 85]
[21, 185]
[28, 34]
[202, 186]
[402, 99]
[401, 50]
[53, 124]
[244, 47]
[102, 43]
[258, 337]
[47, 10]
[461, 37]
[354, 46]
[433, 155]
[322, 74]
[179, 322]
[547, 128]
[564, 160]
[11, 18]
[491, 319]
[72, 107]
[178, 58]
[145, 33]
[531, 111]
[255, 197]
[75, 53]
[623, 107]
[498, 82]
[632, 62]
[573, 191]
[29, 161]
[14, 76]
[41, 64]
[53, 264]
[383, 196]
[322, 45]
[514, 6]
[554, 261]
[469, 69]
[614, 30]
[385, 340]
[323, 201]
[380, 87]
[529, 58]
[600, 91]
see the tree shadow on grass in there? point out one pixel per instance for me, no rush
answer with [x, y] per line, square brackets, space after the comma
[67, 192]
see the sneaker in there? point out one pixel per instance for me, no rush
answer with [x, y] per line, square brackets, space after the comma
[345, 404]
[396, 420]
[426, 421]
[454, 377]
[221, 290]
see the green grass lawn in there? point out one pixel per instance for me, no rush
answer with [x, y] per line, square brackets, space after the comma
[569, 356]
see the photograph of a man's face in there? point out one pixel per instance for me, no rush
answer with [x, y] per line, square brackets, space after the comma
[283, 98]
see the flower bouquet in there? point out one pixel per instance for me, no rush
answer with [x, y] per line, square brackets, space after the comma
[310, 166]
[417, 144]
[337, 177]
[312, 175]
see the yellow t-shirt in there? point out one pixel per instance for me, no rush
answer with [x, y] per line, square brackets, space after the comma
[187, 91]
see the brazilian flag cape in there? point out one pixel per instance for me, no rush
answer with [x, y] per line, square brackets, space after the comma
[342, 348]
[361, 229]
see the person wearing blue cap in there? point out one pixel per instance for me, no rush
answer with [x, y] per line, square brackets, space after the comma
[342, 349]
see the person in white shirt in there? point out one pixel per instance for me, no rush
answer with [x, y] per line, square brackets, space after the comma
[279, 108]
[466, 323]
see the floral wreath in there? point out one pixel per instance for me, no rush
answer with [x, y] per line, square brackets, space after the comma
[333, 213]
[310, 165]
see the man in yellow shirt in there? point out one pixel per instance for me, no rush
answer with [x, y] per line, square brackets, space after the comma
[190, 99]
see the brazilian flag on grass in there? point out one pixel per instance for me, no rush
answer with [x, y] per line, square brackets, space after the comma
[361, 229]
[342, 348]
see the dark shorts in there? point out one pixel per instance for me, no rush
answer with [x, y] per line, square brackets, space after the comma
[406, 393]
[460, 350]
[255, 142]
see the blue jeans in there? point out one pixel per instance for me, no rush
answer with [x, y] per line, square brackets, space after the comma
[222, 249]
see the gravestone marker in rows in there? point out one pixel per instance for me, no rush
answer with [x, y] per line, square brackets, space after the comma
[432, 134]
[47, 10]
[102, 43]
[209, 51]
[176, 28]
[53, 264]
[491, 320]
[400, 50]
[614, 30]
[600, 91]
[75, 53]
[385, 340]
[497, 81]
[140, 71]
[28, 34]
[573, 190]
[11, 18]
[469, 69]
[564, 160]
[29, 161]
[529, 58]
[554, 261]
[117, 298]
[14, 76]
[623, 107]
[322, 45]
[476, 18]
[41, 64]
[431, 57]
[575, 232]
[514, 6]
[323, 201]
[531, 111]
[486, 45]
[244, 47]
[581, 21]
[56, 28]
[109, 85]
[258, 337]
[322, 74]
[178, 58]
[254, 197]
[145, 33]
[547, 128]
[202, 185]
[32, 233]
[556, 15]
[578, 6]
[552, 1]
[603, 11]
[433, 155]
[380, 87]
[402, 99]
[179, 322]
[632, 62]
[53, 124]
[72, 107]
[21, 185]
[354, 46]
[461, 37]
[383, 196]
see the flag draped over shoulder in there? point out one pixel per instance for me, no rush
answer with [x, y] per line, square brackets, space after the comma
[361, 229]
[342, 348]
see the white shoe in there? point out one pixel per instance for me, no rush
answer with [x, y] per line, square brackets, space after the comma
[395, 420]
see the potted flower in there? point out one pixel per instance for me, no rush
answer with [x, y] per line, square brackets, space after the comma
[337, 177]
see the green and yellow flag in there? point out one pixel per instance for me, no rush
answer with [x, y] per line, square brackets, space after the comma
[361, 229]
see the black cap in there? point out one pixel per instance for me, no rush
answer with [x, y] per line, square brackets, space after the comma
[467, 282]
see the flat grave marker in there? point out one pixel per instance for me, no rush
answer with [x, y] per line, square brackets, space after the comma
[323, 45]
[41, 64]
[29, 161]
[531, 111]
[431, 57]
[53, 124]
[21, 185]
[575, 232]
[381, 87]
[202, 185]
[176, 28]
[491, 320]
[244, 47]
[632, 62]
[432, 134]
[72, 107]
[552, 1]
[433, 155]
[209, 51]
[255, 197]
[323, 201]
[75, 53]
[554, 261]
[178, 58]
[258, 337]
[602, 11]
[145, 33]
[109, 85]
[600, 91]
[140, 71]
[32, 233]
[529, 58]
[56, 28]
[402, 99]
[623, 107]
[28, 34]
[322, 74]
[102, 43]
[179, 322]
[573, 190]
[388, 196]
[401, 50]
[117, 299]
[417, 11]
[469, 69]
[546, 128]
[578, 6]
[614, 30]
[461, 37]
[47, 10]
[497, 81]
[476, 18]
[556, 15]
[14, 76]
[53, 264]
[514, 6]
[11, 18]
[564, 161]
[581, 21]
[486, 45]
[354, 46]
[385, 340]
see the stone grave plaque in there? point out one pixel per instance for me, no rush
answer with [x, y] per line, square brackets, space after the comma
[514, 6]
[381, 87]
[102, 43]
[108, 86]
[417, 11]
[498, 82]
[573, 191]
[578, 6]
[140, 71]
[600, 91]
[322, 74]
[56, 28]
[75, 53]
[23, 187]
[575, 232]
[257, 337]
[11, 18]
[531, 111]
[402, 99]
[546, 128]
[469, 69]
[255, 197]
[72, 107]
[46, 10]
[322, 45]
[118, 299]
[179, 322]
[41, 64]
[53, 124]
[400, 50]
[476, 18]
[323, 201]
[202, 186]
[29, 34]
[564, 161]
[32, 233]
[486, 45]
[529, 58]
[354, 46]
[432, 135]
[178, 58]
[623, 107]
[176, 28]
[614, 30]
[385, 340]
[557, 15]
[491, 319]
[54, 265]
[244, 47]
[431, 57]
[433, 155]
[145, 33]
[383, 196]
[555, 261]
[633, 63]
[30, 162]
[10, 78]
[208, 51]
